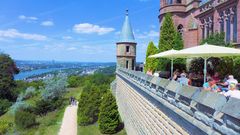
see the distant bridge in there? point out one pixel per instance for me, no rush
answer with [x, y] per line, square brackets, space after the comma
[150, 105]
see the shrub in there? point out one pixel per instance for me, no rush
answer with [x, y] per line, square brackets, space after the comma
[55, 87]
[30, 92]
[18, 105]
[24, 119]
[4, 127]
[45, 106]
[109, 119]
[42, 107]
[4, 105]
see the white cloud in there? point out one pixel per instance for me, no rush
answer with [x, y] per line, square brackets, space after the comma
[150, 34]
[28, 18]
[87, 28]
[47, 23]
[71, 48]
[66, 37]
[13, 33]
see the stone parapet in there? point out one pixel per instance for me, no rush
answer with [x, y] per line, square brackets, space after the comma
[156, 102]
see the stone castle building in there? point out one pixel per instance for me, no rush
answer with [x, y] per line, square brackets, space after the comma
[196, 21]
[126, 47]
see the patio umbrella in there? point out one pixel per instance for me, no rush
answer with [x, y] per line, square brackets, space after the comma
[165, 55]
[205, 51]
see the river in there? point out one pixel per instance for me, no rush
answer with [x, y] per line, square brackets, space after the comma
[23, 75]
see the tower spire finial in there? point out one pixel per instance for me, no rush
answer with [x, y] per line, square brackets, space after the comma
[126, 12]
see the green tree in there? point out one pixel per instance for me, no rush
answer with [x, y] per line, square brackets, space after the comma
[7, 71]
[74, 81]
[151, 63]
[88, 106]
[167, 35]
[170, 38]
[178, 41]
[109, 119]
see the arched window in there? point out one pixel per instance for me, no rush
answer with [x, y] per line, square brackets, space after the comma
[180, 29]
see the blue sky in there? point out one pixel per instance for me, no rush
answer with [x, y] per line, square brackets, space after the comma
[76, 30]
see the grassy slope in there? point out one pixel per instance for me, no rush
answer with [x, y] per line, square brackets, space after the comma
[49, 124]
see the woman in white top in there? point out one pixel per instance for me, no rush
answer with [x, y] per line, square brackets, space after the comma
[233, 92]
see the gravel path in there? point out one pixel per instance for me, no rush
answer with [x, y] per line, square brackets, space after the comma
[69, 123]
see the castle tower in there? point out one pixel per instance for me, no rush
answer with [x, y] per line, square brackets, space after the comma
[126, 47]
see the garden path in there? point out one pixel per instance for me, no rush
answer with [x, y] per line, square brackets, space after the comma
[69, 122]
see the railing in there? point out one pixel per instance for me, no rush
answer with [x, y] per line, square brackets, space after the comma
[211, 112]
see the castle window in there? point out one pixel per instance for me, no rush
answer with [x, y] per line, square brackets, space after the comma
[235, 27]
[133, 63]
[222, 26]
[221, 22]
[126, 64]
[180, 29]
[203, 32]
[127, 49]
[207, 31]
[179, 1]
[228, 32]
[169, 2]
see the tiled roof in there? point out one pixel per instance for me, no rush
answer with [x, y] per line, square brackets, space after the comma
[127, 33]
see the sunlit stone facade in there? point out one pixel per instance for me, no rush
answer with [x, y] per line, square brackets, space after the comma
[196, 20]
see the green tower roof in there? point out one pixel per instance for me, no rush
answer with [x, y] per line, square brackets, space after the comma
[127, 33]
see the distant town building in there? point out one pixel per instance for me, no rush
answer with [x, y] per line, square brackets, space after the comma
[126, 47]
[196, 21]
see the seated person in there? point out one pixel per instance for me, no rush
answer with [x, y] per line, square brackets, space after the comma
[233, 92]
[216, 77]
[156, 74]
[175, 74]
[183, 79]
[211, 86]
[229, 81]
[149, 72]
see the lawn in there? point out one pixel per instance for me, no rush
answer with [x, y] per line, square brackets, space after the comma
[93, 130]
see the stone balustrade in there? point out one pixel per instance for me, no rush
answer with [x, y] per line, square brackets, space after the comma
[195, 110]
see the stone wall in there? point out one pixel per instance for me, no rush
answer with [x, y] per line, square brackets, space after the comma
[151, 105]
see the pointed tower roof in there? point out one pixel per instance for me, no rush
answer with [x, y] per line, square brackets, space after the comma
[127, 33]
